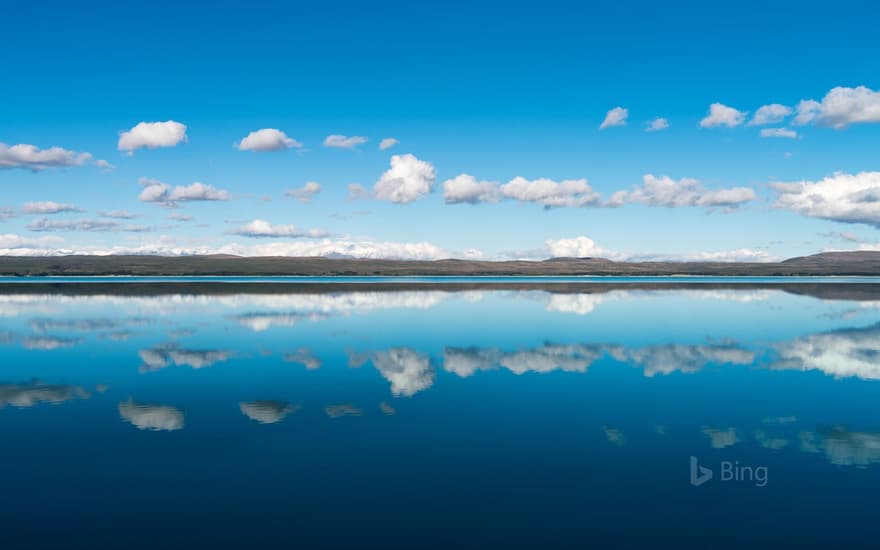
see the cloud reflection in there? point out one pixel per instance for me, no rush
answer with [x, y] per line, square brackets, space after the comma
[151, 417]
[267, 411]
[33, 393]
[164, 356]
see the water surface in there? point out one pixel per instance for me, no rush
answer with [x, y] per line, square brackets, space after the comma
[430, 417]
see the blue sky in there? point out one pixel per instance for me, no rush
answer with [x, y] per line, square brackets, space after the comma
[497, 91]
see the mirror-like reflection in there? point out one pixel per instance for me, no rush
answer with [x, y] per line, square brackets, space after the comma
[576, 399]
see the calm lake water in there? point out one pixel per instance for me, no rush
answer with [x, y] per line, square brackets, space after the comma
[745, 415]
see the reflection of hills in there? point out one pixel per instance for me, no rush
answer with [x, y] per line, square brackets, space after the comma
[824, 291]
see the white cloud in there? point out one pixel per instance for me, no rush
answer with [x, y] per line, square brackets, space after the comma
[657, 124]
[841, 107]
[343, 142]
[267, 139]
[738, 255]
[770, 114]
[151, 417]
[549, 193]
[305, 193]
[722, 115]
[49, 207]
[387, 143]
[465, 188]
[178, 217]
[850, 198]
[152, 135]
[104, 165]
[35, 159]
[357, 191]
[117, 214]
[615, 117]
[45, 224]
[664, 191]
[577, 247]
[778, 133]
[156, 191]
[15, 245]
[262, 228]
[407, 180]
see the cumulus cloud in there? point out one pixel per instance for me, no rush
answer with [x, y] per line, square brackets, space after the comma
[407, 180]
[264, 229]
[267, 411]
[151, 417]
[657, 124]
[665, 191]
[45, 224]
[267, 139]
[465, 188]
[344, 142]
[104, 165]
[615, 117]
[850, 198]
[770, 114]
[577, 247]
[49, 207]
[305, 193]
[152, 135]
[33, 158]
[163, 193]
[549, 193]
[722, 115]
[387, 143]
[841, 107]
[29, 394]
[779, 133]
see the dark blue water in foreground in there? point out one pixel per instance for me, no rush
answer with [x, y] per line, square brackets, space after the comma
[407, 419]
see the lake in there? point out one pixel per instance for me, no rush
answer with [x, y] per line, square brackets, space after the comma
[441, 414]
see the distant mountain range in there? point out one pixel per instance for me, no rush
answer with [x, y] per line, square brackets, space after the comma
[861, 263]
